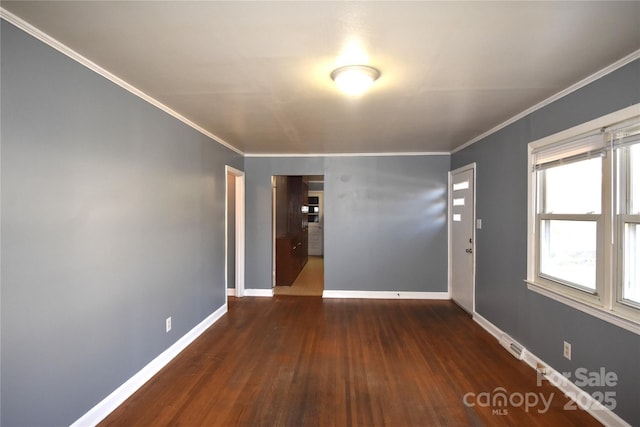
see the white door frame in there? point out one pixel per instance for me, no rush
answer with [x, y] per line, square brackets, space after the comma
[239, 230]
[472, 167]
[273, 231]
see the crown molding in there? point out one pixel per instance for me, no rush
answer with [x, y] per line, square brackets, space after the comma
[66, 50]
[398, 154]
[582, 83]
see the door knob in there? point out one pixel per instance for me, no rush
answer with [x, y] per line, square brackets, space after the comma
[469, 251]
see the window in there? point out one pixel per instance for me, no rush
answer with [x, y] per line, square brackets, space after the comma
[570, 220]
[626, 144]
[584, 223]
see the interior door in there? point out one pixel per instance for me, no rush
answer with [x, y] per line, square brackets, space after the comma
[462, 247]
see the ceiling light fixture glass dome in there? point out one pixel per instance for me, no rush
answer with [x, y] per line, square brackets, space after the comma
[354, 79]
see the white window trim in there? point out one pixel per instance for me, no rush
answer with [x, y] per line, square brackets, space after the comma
[607, 315]
[605, 307]
[629, 307]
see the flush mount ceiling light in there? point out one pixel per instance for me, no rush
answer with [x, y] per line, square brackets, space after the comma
[354, 79]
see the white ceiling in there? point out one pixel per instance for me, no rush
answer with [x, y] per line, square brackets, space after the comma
[256, 74]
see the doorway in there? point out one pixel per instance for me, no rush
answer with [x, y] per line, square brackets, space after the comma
[316, 222]
[462, 218]
[234, 232]
[298, 237]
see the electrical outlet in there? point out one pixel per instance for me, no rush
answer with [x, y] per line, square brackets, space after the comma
[567, 350]
[168, 324]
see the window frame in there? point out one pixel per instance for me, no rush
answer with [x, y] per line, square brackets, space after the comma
[606, 302]
[620, 301]
[623, 217]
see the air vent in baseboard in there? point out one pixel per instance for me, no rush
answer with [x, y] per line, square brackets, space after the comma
[512, 346]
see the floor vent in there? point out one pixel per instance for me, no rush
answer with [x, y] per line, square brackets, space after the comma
[512, 347]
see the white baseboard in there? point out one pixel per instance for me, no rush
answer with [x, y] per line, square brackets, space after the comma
[258, 292]
[582, 399]
[355, 294]
[385, 295]
[488, 326]
[231, 292]
[122, 393]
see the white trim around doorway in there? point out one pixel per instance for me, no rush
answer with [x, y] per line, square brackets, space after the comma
[472, 167]
[239, 290]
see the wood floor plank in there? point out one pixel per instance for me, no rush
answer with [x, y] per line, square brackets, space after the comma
[305, 361]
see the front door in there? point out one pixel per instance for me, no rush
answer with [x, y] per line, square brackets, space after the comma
[462, 247]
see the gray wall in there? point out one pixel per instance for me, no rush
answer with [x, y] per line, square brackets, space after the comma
[537, 322]
[385, 220]
[112, 220]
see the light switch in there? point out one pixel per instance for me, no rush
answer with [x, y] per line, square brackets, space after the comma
[479, 224]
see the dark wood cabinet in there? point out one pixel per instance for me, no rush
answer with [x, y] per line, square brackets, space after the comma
[291, 257]
[291, 228]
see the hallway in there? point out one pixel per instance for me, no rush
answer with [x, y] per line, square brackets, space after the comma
[310, 281]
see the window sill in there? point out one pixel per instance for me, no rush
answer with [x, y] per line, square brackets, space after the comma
[601, 313]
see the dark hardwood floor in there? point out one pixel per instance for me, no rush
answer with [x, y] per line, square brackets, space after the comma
[305, 361]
